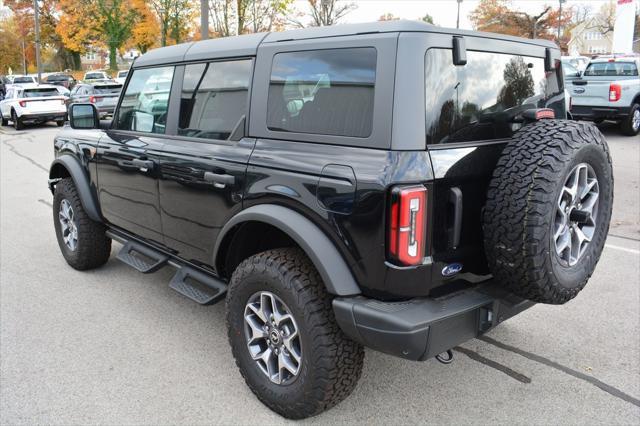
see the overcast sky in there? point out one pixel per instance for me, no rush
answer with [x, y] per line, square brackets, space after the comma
[443, 11]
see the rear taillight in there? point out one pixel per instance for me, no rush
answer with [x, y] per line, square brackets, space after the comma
[407, 225]
[615, 92]
[94, 99]
[23, 104]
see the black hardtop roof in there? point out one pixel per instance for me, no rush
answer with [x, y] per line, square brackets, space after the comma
[247, 45]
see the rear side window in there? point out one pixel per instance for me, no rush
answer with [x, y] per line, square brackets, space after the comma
[146, 100]
[214, 98]
[38, 93]
[327, 92]
[611, 69]
[479, 101]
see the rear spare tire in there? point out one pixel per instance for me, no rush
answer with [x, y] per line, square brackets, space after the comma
[548, 209]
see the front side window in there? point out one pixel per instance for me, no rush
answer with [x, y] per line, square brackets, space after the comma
[145, 102]
[214, 98]
[327, 92]
[481, 100]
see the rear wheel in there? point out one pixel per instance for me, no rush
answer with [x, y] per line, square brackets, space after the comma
[548, 210]
[60, 123]
[17, 124]
[83, 242]
[630, 126]
[284, 336]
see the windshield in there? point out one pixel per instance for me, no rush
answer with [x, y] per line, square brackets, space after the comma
[109, 88]
[23, 80]
[123, 74]
[611, 69]
[57, 78]
[38, 93]
[94, 76]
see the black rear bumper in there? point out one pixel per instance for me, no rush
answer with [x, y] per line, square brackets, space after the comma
[42, 118]
[421, 328]
[595, 113]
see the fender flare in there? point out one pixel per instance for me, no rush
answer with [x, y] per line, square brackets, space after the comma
[334, 271]
[81, 182]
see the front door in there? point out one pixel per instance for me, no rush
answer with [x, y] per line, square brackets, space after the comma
[203, 168]
[129, 153]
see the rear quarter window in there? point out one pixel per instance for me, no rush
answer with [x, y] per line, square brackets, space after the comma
[326, 92]
[479, 101]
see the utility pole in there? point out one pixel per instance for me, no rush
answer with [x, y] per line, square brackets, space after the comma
[37, 17]
[560, 20]
[24, 58]
[458, 18]
[204, 19]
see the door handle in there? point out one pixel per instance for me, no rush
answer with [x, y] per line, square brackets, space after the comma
[143, 165]
[219, 180]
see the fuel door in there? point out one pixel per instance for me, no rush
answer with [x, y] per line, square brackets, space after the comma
[337, 189]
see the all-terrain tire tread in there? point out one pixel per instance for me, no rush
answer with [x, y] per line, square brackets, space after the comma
[337, 360]
[519, 197]
[94, 247]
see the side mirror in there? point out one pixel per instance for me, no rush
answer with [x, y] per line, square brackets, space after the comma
[83, 116]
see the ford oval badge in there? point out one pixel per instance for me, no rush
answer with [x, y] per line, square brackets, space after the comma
[451, 269]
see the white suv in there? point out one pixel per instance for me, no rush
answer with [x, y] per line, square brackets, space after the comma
[32, 103]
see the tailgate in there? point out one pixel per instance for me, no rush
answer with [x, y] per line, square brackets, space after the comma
[590, 92]
[103, 101]
[44, 105]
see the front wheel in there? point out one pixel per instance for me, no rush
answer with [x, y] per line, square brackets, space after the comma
[83, 242]
[630, 126]
[284, 336]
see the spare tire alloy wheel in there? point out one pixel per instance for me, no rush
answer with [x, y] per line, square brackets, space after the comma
[68, 225]
[576, 216]
[272, 337]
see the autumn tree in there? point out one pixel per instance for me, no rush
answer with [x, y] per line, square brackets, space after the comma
[498, 16]
[175, 18]
[428, 19]
[388, 17]
[145, 32]
[328, 12]
[232, 17]
[10, 46]
[605, 19]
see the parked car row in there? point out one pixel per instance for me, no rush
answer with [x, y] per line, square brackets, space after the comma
[29, 103]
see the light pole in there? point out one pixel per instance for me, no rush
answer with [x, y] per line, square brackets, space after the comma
[37, 18]
[560, 20]
[204, 19]
[458, 18]
[163, 19]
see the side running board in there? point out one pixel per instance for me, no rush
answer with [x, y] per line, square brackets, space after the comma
[199, 287]
[142, 258]
[192, 283]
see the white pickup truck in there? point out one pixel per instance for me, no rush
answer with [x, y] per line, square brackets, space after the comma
[32, 103]
[609, 89]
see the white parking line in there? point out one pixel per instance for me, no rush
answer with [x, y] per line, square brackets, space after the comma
[628, 250]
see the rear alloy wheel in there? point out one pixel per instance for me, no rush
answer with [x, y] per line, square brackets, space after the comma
[630, 126]
[17, 124]
[284, 336]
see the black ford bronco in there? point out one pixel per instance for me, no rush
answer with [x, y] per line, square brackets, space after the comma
[395, 185]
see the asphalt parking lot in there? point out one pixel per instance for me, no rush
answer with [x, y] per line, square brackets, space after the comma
[113, 346]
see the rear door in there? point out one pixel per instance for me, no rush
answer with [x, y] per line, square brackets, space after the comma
[203, 167]
[129, 154]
